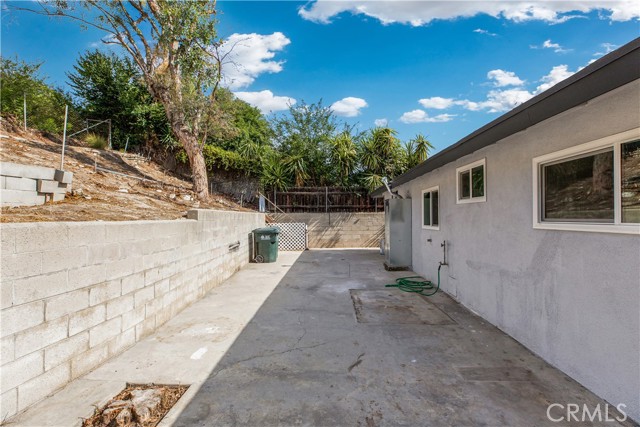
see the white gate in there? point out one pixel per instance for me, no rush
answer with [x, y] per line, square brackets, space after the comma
[293, 236]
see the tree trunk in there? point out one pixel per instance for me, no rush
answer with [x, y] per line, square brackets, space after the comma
[197, 164]
[187, 139]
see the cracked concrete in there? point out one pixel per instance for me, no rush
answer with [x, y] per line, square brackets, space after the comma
[305, 360]
[279, 344]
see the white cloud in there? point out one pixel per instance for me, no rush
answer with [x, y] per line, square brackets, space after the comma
[246, 56]
[555, 76]
[497, 100]
[106, 40]
[266, 101]
[548, 44]
[436, 102]
[381, 122]
[349, 106]
[421, 116]
[501, 100]
[608, 47]
[485, 32]
[418, 13]
[503, 78]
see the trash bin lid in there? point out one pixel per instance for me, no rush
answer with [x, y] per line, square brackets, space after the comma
[267, 230]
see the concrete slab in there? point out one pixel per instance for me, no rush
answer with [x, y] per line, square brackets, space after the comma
[276, 345]
[67, 407]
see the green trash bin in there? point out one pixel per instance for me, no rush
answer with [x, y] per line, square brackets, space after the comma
[265, 241]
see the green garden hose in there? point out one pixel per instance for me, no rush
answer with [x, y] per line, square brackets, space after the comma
[422, 287]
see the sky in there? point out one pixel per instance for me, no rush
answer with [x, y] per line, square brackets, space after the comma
[440, 69]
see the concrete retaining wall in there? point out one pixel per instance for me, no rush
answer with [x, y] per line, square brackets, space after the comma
[75, 294]
[26, 185]
[340, 230]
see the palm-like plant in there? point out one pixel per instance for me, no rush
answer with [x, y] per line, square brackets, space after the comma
[250, 150]
[369, 156]
[344, 155]
[385, 139]
[372, 181]
[422, 147]
[296, 165]
[381, 153]
[274, 173]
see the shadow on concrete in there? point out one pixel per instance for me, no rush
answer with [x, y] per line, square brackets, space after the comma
[305, 360]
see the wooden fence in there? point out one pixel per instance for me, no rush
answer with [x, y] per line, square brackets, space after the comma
[326, 199]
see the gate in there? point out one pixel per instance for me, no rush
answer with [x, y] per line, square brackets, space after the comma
[293, 236]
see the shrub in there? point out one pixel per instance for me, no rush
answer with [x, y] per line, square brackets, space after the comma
[219, 158]
[96, 141]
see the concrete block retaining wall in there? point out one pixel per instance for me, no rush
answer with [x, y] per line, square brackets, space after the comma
[340, 230]
[26, 185]
[76, 294]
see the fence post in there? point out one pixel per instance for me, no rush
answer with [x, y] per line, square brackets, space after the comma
[64, 135]
[126, 145]
[24, 109]
[326, 199]
[110, 147]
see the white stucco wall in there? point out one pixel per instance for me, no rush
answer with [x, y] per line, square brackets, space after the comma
[571, 297]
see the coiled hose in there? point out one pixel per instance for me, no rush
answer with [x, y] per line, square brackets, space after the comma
[422, 287]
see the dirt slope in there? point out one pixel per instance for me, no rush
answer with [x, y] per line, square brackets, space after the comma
[98, 195]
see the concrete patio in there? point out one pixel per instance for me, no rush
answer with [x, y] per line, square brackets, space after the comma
[282, 344]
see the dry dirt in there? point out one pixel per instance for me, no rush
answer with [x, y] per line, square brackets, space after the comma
[99, 195]
[138, 405]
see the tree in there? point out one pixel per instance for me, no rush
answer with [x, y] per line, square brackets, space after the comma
[381, 155]
[173, 43]
[234, 124]
[417, 151]
[110, 87]
[303, 137]
[274, 174]
[344, 155]
[45, 104]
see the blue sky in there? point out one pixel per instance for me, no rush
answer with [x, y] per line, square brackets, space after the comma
[442, 69]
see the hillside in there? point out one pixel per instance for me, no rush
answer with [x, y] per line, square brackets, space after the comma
[148, 192]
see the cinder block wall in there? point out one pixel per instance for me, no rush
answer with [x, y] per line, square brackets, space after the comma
[28, 185]
[75, 294]
[341, 230]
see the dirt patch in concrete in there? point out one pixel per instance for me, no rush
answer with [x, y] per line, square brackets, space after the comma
[395, 307]
[138, 405]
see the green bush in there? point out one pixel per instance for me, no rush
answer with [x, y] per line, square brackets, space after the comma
[96, 141]
[45, 104]
[219, 158]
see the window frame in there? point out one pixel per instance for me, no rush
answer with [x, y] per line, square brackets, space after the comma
[430, 190]
[617, 226]
[469, 167]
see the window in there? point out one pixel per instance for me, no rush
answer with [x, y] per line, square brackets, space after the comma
[430, 209]
[579, 189]
[471, 182]
[630, 185]
[591, 187]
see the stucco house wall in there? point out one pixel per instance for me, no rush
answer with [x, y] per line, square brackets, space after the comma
[572, 297]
